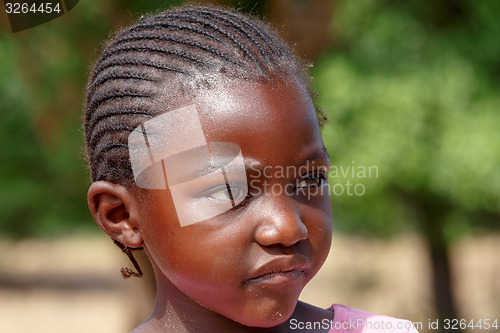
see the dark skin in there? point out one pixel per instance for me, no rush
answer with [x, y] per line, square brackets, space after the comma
[215, 275]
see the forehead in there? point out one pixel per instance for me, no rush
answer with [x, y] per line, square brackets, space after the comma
[271, 118]
[258, 124]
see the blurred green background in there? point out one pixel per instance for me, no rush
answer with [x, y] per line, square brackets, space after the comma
[410, 87]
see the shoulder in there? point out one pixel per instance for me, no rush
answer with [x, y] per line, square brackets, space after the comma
[351, 320]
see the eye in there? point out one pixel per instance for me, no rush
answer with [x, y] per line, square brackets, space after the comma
[311, 180]
[222, 192]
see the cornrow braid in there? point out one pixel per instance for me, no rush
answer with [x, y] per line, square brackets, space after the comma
[133, 61]
[219, 30]
[241, 30]
[187, 28]
[151, 49]
[114, 75]
[168, 51]
[173, 39]
[117, 112]
[97, 100]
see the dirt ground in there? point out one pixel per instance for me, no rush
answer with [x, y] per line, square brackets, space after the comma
[74, 285]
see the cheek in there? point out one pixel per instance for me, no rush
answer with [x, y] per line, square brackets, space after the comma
[193, 254]
[205, 263]
[317, 218]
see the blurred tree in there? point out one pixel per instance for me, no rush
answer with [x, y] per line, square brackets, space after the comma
[304, 23]
[412, 88]
[43, 72]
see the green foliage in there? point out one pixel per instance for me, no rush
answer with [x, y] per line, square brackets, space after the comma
[41, 168]
[43, 72]
[405, 91]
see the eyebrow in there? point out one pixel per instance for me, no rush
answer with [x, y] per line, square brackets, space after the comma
[319, 153]
[191, 166]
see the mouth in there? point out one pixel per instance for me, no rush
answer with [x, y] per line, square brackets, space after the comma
[279, 271]
[278, 277]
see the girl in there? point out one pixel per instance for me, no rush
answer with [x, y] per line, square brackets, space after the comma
[205, 149]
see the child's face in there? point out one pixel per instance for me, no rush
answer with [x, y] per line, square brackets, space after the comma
[249, 263]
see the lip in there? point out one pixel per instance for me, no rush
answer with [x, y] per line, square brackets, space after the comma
[283, 269]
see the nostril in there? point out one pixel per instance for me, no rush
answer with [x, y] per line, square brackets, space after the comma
[245, 201]
[284, 233]
[279, 221]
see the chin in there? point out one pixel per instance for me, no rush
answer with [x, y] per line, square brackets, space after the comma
[276, 319]
[271, 314]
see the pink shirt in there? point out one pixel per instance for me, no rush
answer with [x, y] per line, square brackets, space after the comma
[349, 320]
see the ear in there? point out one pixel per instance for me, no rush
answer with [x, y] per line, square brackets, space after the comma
[115, 209]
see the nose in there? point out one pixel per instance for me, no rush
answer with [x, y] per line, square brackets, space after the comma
[279, 222]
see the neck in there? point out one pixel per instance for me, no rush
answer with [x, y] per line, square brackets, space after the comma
[176, 312]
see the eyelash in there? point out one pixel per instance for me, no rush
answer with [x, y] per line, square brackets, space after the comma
[318, 176]
[223, 188]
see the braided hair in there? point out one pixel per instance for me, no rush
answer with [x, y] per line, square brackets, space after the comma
[166, 56]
